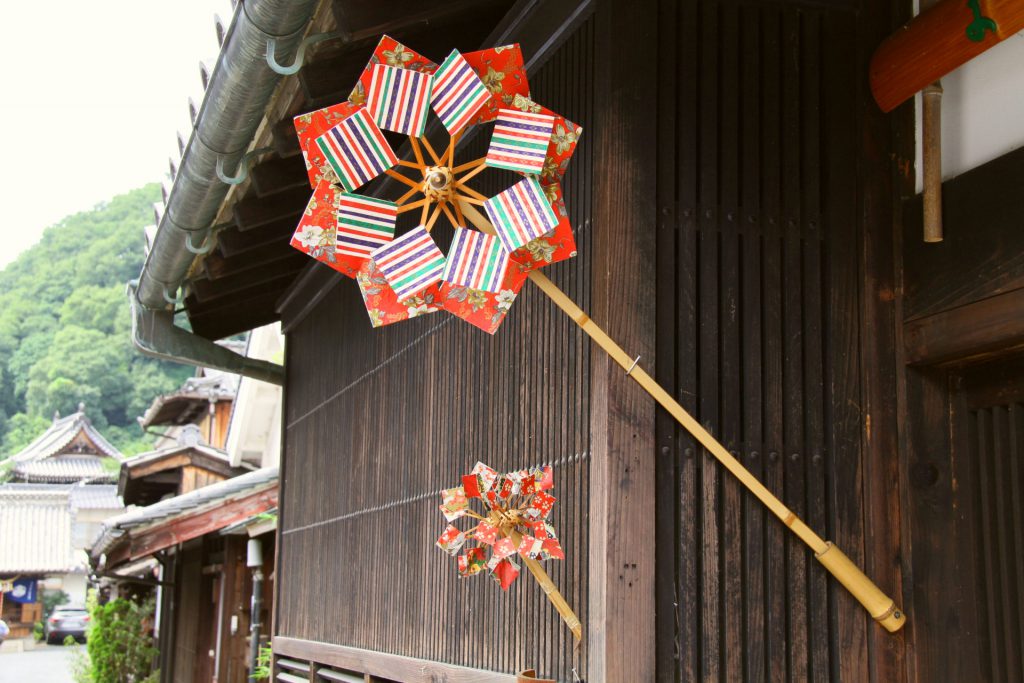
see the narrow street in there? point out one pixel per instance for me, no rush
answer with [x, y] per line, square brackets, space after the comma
[44, 664]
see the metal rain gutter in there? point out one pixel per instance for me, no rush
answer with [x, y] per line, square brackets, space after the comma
[237, 95]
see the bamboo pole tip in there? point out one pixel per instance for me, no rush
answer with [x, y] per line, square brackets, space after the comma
[893, 620]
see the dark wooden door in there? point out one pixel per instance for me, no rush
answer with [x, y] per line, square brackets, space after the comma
[988, 440]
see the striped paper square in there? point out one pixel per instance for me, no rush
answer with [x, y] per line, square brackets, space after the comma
[410, 263]
[356, 150]
[398, 99]
[520, 141]
[521, 213]
[364, 224]
[476, 260]
[458, 93]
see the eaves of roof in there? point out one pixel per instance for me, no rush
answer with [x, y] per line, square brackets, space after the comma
[138, 522]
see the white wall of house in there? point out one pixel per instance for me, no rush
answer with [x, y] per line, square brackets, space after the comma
[982, 109]
[254, 435]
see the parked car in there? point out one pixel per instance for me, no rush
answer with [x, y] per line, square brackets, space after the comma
[67, 620]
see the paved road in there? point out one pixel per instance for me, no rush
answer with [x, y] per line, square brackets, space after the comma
[45, 664]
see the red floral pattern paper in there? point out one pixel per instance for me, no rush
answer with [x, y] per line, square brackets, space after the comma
[557, 245]
[317, 231]
[383, 305]
[311, 126]
[485, 310]
[501, 70]
[514, 506]
[565, 135]
[389, 52]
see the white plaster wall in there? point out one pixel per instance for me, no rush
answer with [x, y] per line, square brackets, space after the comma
[75, 586]
[254, 434]
[982, 110]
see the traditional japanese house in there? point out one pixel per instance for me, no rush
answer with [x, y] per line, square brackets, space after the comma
[198, 544]
[199, 530]
[204, 401]
[744, 221]
[59, 490]
[69, 451]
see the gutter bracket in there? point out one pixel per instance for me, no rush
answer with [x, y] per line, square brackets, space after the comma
[300, 55]
[155, 335]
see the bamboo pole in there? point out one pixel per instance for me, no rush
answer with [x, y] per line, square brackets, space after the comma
[881, 607]
[548, 586]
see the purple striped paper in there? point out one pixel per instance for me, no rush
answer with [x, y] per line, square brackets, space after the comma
[476, 260]
[458, 92]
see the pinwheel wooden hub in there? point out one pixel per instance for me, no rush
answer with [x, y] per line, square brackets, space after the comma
[437, 185]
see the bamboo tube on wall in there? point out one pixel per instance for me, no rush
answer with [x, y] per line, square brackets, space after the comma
[882, 608]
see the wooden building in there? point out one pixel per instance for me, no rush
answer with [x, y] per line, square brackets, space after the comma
[744, 219]
[193, 546]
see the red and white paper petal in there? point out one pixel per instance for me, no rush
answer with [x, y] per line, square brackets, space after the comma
[311, 126]
[565, 135]
[451, 540]
[390, 53]
[505, 572]
[540, 506]
[472, 562]
[454, 503]
[486, 533]
[317, 231]
[502, 72]
[383, 305]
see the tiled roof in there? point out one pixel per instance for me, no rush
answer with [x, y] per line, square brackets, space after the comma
[35, 531]
[95, 497]
[193, 501]
[60, 434]
[189, 402]
[64, 469]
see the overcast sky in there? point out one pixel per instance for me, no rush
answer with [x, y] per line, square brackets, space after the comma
[92, 95]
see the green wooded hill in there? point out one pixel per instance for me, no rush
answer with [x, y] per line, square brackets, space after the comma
[65, 328]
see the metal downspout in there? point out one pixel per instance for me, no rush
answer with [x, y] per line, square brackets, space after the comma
[237, 95]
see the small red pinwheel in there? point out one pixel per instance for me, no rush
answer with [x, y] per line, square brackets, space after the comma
[516, 506]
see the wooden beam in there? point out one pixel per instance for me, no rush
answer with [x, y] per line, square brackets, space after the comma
[936, 42]
[158, 466]
[382, 664]
[982, 328]
[253, 212]
[284, 269]
[620, 625]
[232, 241]
[179, 529]
[277, 174]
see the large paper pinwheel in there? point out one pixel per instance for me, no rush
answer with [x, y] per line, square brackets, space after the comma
[353, 230]
[515, 508]
[350, 225]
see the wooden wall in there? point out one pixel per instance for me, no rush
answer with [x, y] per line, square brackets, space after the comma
[378, 421]
[733, 202]
[964, 345]
[774, 329]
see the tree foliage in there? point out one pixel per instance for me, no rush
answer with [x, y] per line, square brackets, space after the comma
[65, 328]
[120, 644]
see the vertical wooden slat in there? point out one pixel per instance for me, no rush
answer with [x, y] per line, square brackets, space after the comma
[621, 604]
[752, 341]
[689, 641]
[839, 225]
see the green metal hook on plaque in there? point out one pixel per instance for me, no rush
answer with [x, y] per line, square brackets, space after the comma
[976, 29]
